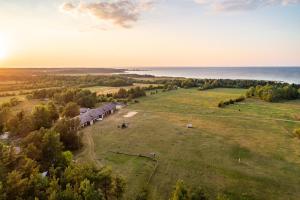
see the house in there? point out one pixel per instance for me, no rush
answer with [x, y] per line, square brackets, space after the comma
[88, 117]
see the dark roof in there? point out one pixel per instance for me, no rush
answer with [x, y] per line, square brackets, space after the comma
[83, 110]
[92, 114]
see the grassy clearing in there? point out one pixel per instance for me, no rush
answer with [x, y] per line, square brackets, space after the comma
[245, 149]
[106, 90]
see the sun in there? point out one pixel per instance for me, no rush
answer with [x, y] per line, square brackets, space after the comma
[3, 48]
[2, 53]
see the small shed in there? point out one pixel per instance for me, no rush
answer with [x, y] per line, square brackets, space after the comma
[189, 125]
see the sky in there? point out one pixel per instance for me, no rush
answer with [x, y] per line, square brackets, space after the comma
[149, 33]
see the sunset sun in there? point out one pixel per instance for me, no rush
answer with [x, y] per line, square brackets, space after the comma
[3, 48]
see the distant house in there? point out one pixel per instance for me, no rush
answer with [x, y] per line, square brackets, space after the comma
[88, 117]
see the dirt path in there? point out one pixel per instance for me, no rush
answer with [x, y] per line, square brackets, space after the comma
[88, 152]
[89, 149]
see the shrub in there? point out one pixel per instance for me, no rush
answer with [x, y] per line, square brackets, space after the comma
[221, 104]
[297, 132]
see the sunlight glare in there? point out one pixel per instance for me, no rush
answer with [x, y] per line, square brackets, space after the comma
[3, 50]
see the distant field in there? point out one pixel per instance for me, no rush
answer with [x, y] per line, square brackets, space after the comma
[6, 99]
[246, 150]
[107, 90]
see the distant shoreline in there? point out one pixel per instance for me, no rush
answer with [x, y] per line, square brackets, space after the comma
[279, 74]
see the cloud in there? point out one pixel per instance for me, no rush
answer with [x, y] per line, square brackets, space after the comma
[123, 13]
[238, 5]
[67, 7]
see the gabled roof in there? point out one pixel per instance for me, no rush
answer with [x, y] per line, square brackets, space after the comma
[92, 114]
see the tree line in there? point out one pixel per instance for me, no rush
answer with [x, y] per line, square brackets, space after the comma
[205, 84]
[50, 81]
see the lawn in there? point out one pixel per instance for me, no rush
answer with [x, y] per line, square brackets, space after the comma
[246, 150]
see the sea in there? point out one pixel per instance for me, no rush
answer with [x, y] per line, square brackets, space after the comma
[281, 74]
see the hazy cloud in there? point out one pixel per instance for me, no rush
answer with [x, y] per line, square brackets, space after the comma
[119, 12]
[236, 5]
[67, 7]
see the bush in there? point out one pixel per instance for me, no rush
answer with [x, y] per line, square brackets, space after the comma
[297, 132]
[222, 104]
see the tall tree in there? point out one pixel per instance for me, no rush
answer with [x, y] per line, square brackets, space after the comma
[51, 149]
[41, 117]
[69, 136]
[71, 110]
[54, 115]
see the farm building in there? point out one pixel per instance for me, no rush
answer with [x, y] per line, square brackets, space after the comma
[90, 116]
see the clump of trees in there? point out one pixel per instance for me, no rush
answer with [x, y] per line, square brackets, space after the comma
[44, 171]
[42, 116]
[273, 93]
[181, 192]
[132, 93]
[222, 104]
[123, 95]
[82, 97]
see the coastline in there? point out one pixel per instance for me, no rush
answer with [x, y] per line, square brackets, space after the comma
[279, 74]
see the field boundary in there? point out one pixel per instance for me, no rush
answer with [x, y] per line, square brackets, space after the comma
[141, 156]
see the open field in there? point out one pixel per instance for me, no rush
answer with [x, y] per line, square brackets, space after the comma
[107, 90]
[246, 150]
[6, 99]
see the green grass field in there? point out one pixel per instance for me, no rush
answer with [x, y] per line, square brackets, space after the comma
[246, 150]
[106, 90]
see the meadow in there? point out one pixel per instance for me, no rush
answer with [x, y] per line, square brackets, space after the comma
[102, 90]
[245, 151]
